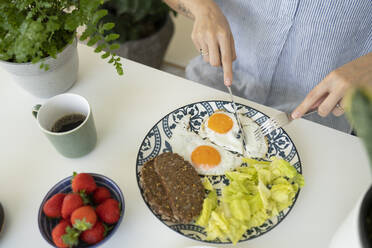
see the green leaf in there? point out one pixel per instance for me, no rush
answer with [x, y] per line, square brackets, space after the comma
[100, 47]
[93, 40]
[114, 46]
[72, 20]
[71, 238]
[107, 229]
[87, 32]
[52, 26]
[111, 37]
[119, 69]
[85, 197]
[108, 26]
[35, 60]
[98, 16]
[73, 175]
[105, 55]
[111, 60]
[45, 4]
[82, 225]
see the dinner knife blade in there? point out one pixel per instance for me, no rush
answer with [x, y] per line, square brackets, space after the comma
[238, 121]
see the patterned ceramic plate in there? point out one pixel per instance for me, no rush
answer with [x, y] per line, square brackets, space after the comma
[157, 142]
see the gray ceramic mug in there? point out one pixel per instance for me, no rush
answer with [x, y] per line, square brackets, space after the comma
[73, 143]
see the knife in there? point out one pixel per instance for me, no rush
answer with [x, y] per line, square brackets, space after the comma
[238, 121]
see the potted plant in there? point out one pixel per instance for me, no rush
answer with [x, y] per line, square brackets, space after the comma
[38, 44]
[356, 230]
[145, 29]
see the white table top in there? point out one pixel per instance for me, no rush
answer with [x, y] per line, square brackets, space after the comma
[335, 165]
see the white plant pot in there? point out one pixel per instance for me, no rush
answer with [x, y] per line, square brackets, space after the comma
[352, 233]
[60, 77]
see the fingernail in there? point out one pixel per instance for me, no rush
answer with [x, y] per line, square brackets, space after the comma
[228, 82]
[295, 115]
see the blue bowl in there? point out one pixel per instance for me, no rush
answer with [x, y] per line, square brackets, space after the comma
[46, 224]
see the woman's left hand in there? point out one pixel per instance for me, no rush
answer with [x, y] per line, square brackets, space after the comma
[331, 90]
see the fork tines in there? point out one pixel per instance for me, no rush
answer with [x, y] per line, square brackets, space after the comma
[267, 127]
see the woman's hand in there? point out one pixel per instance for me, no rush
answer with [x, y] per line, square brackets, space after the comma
[330, 91]
[211, 33]
[212, 37]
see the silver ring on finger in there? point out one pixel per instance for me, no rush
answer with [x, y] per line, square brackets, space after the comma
[339, 107]
[203, 53]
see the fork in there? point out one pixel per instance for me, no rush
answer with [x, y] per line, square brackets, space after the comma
[276, 122]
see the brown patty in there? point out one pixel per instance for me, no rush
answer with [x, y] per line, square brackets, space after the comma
[154, 192]
[182, 184]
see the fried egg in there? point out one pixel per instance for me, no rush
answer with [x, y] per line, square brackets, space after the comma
[206, 157]
[223, 130]
[254, 148]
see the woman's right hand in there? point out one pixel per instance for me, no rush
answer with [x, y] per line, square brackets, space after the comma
[211, 33]
[213, 38]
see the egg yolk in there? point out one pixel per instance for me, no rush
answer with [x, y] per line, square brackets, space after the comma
[220, 123]
[205, 156]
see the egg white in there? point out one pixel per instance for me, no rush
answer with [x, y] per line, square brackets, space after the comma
[233, 141]
[254, 148]
[229, 140]
[184, 142]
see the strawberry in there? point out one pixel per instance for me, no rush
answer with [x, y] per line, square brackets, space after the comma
[109, 211]
[94, 235]
[64, 235]
[101, 194]
[71, 202]
[83, 218]
[83, 182]
[52, 207]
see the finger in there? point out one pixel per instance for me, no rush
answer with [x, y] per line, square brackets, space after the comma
[330, 102]
[233, 48]
[195, 40]
[214, 52]
[338, 111]
[310, 100]
[319, 101]
[226, 58]
[204, 51]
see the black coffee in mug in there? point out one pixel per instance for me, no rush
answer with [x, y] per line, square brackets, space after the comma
[67, 123]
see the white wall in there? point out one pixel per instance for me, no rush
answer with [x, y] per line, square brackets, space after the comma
[181, 49]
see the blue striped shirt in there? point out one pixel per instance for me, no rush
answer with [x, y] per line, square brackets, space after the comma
[286, 47]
